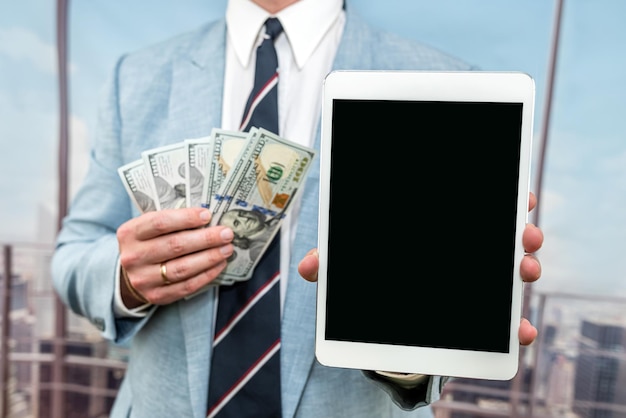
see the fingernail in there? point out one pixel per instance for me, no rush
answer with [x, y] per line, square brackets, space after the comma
[226, 250]
[205, 215]
[227, 234]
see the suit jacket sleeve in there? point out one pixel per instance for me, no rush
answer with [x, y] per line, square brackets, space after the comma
[85, 259]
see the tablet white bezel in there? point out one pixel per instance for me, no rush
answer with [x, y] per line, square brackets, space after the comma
[476, 86]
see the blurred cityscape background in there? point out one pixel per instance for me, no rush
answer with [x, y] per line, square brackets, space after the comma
[54, 57]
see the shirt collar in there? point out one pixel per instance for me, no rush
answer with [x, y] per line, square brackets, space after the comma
[301, 23]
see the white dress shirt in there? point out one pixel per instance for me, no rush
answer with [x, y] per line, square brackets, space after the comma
[306, 50]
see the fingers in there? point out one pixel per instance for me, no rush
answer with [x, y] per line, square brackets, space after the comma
[532, 201]
[191, 265]
[171, 280]
[175, 258]
[159, 236]
[527, 332]
[176, 290]
[532, 240]
[530, 268]
[181, 243]
[309, 265]
[154, 224]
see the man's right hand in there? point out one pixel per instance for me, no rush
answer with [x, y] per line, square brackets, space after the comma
[170, 254]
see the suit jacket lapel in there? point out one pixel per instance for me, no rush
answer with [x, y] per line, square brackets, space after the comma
[195, 108]
[197, 85]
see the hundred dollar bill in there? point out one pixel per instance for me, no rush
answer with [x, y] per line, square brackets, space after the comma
[167, 166]
[257, 193]
[198, 163]
[227, 146]
[138, 185]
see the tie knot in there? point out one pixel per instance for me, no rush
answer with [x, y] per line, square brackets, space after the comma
[273, 28]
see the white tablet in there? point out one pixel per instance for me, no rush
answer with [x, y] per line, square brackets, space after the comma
[423, 201]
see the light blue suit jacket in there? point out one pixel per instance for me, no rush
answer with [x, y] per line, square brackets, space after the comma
[162, 95]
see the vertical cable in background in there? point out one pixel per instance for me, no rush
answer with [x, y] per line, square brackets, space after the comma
[58, 365]
[5, 335]
[547, 109]
[545, 128]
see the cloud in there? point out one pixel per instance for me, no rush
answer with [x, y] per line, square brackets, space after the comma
[582, 214]
[79, 153]
[22, 44]
[33, 183]
[552, 201]
[28, 131]
[615, 168]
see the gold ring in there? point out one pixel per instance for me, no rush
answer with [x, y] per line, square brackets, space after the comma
[166, 281]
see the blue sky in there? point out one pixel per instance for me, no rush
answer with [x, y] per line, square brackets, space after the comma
[582, 210]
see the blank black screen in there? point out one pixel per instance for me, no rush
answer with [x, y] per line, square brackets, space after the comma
[423, 201]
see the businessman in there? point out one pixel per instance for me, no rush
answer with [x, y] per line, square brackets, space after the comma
[131, 274]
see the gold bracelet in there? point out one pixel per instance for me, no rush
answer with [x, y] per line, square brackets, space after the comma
[131, 288]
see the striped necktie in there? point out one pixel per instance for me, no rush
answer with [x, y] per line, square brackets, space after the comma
[245, 367]
[262, 106]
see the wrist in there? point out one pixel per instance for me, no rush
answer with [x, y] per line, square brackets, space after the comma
[131, 297]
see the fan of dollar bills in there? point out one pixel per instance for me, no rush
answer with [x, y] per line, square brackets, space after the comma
[247, 179]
